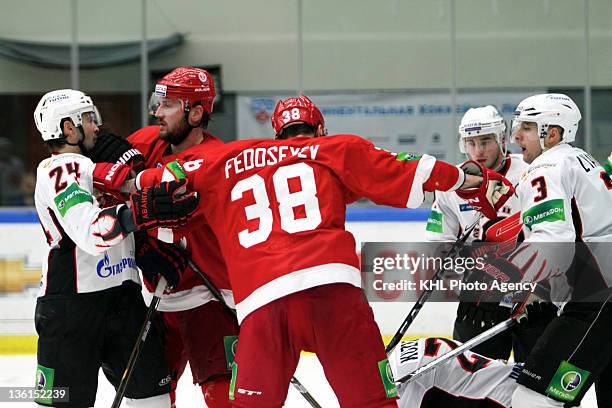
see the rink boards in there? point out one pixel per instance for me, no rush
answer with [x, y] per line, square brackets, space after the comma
[22, 250]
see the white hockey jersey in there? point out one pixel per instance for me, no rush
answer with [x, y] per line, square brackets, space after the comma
[467, 381]
[79, 260]
[565, 196]
[451, 215]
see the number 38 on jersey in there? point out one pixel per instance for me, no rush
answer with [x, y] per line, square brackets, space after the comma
[287, 202]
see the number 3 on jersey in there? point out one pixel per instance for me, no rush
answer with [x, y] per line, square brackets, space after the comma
[287, 201]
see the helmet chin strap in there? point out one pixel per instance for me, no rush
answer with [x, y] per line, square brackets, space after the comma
[183, 135]
[503, 151]
[542, 138]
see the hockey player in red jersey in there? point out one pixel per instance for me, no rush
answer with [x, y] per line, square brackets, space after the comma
[196, 323]
[278, 209]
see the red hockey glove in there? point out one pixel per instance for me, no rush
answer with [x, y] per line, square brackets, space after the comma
[156, 258]
[108, 178]
[493, 192]
[167, 205]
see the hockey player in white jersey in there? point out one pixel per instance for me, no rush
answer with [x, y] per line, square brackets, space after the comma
[565, 197]
[90, 309]
[482, 137]
[469, 380]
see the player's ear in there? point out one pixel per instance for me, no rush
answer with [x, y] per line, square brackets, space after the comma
[68, 129]
[195, 114]
[554, 134]
[320, 131]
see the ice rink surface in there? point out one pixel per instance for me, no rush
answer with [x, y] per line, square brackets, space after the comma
[19, 371]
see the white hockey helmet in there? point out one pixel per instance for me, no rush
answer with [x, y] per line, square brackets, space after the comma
[55, 106]
[480, 121]
[546, 110]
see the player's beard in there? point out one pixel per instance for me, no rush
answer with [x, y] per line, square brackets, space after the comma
[176, 135]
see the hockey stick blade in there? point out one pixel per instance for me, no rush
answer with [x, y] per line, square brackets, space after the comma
[482, 337]
[217, 294]
[418, 305]
[142, 336]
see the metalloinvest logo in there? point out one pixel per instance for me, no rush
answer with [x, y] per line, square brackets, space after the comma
[548, 211]
[104, 269]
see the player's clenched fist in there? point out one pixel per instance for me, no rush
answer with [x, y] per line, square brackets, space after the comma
[168, 205]
[493, 192]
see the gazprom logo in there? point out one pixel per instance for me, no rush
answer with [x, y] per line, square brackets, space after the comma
[104, 269]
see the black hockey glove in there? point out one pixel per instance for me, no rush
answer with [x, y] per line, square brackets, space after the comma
[112, 148]
[167, 205]
[532, 320]
[155, 258]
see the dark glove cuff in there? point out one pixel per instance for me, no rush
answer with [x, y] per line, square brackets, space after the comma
[126, 219]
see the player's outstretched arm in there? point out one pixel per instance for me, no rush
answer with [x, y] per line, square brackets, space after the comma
[397, 180]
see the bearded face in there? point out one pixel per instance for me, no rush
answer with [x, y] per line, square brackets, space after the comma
[172, 121]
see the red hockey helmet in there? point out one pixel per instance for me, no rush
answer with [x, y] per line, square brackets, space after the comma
[292, 110]
[189, 85]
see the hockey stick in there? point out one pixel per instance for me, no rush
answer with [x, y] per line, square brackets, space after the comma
[518, 314]
[142, 336]
[425, 294]
[482, 337]
[217, 294]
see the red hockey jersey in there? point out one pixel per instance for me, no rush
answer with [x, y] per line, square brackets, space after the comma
[278, 206]
[201, 242]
